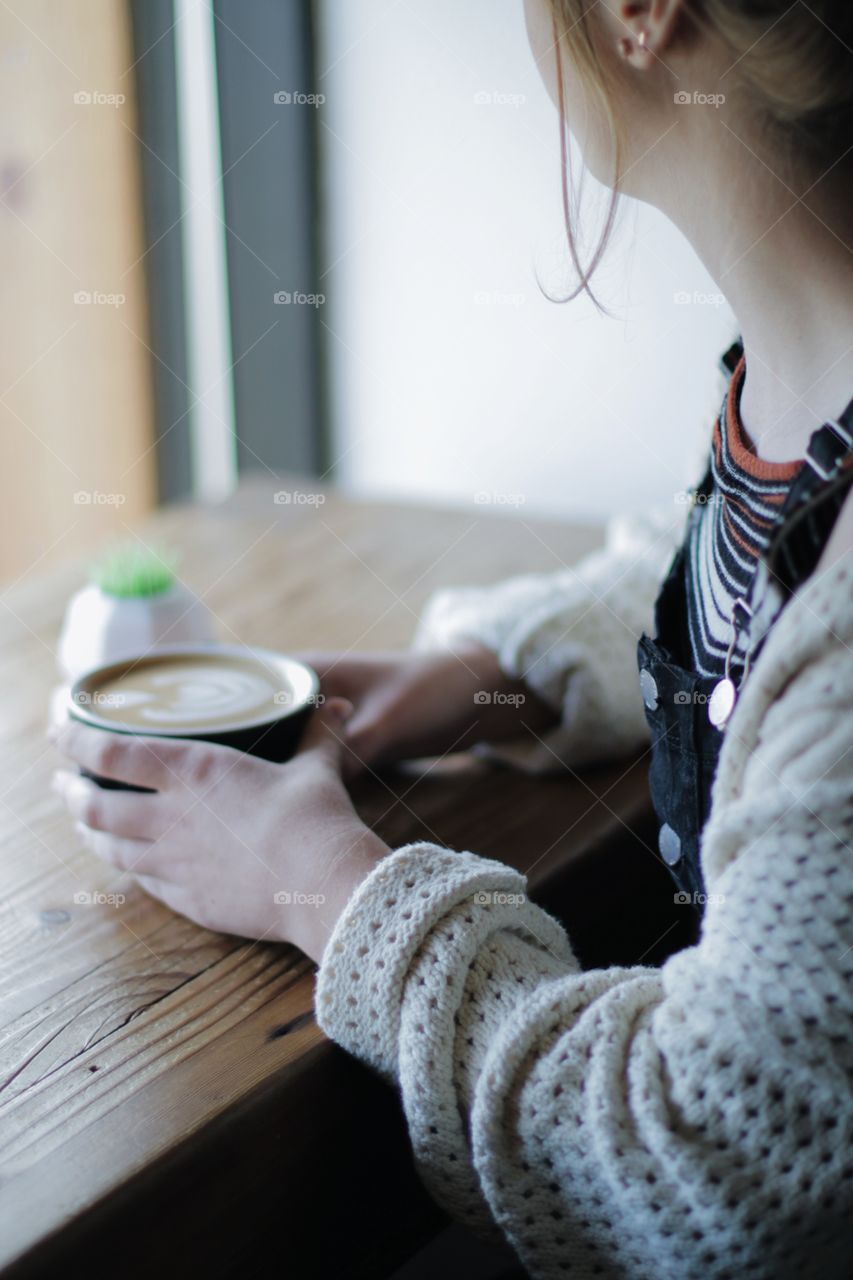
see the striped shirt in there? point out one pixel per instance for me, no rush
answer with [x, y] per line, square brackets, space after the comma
[729, 533]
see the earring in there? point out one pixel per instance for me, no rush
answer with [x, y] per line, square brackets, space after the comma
[623, 47]
[642, 40]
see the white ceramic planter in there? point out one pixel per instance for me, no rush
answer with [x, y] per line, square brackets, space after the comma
[100, 628]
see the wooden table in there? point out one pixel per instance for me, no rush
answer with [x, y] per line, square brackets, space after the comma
[167, 1099]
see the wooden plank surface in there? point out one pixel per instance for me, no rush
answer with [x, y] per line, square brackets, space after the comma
[135, 1046]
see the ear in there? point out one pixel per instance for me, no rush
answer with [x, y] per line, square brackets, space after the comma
[646, 30]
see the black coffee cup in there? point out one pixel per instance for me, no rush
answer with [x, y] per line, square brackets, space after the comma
[193, 692]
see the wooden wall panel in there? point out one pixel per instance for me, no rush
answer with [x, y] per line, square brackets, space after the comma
[75, 400]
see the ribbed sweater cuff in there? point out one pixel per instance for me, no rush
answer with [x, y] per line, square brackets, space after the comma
[363, 971]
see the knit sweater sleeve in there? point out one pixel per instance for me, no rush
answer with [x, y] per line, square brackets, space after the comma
[571, 636]
[688, 1122]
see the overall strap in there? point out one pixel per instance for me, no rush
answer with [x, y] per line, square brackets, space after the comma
[812, 506]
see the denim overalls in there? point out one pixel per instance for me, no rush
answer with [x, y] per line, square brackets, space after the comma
[685, 744]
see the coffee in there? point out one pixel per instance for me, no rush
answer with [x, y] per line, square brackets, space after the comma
[202, 691]
[251, 699]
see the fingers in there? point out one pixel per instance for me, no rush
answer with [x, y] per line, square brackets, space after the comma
[122, 813]
[325, 731]
[123, 757]
[358, 752]
[137, 856]
[363, 736]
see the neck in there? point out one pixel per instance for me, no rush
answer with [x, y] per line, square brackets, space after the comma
[782, 253]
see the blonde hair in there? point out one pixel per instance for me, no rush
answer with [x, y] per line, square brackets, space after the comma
[793, 62]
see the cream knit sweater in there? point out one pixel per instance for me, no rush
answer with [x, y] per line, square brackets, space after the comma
[689, 1121]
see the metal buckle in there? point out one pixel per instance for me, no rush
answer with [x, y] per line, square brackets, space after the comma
[739, 603]
[729, 359]
[843, 436]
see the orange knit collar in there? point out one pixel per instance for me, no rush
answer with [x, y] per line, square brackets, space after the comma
[741, 448]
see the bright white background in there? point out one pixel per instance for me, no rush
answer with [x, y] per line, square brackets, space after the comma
[452, 376]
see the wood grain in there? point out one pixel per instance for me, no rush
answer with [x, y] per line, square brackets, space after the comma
[145, 1062]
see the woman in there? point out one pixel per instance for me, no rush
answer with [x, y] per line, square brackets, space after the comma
[692, 1120]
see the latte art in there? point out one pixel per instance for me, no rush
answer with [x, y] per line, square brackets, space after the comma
[195, 696]
[194, 693]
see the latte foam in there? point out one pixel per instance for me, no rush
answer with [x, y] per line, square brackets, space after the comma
[196, 693]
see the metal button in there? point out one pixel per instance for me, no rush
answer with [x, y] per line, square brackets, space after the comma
[669, 843]
[649, 689]
[721, 703]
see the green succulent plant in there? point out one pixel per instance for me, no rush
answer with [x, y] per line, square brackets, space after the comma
[133, 570]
